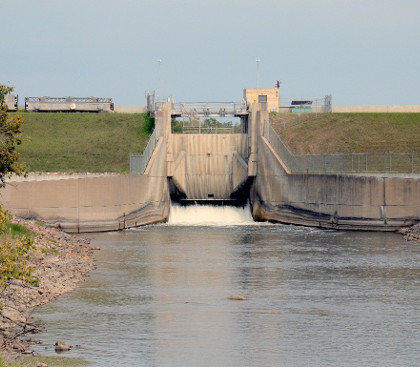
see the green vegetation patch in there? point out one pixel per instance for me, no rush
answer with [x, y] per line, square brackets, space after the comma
[82, 142]
[349, 132]
[18, 230]
[14, 253]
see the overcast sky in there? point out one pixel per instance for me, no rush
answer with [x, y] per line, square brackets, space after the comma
[363, 52]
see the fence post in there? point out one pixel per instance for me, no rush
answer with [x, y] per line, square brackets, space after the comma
[412, 162]
[307, 164]
[390, 162]
[366, 162]
[385, 162]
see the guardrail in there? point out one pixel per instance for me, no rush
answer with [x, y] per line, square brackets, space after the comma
[209, 109]
[68, 99]
[193, 109]
[367, 163]
[139, 162]
[65, 104]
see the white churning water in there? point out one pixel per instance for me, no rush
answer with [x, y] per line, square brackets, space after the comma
[208, 215]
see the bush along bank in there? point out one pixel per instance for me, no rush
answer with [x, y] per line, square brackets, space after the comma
[38, 264]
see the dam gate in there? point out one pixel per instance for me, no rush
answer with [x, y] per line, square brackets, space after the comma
[202, 167]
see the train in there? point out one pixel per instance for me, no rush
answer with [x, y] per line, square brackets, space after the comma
[61, 104]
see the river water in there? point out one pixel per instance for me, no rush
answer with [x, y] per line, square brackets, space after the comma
[159, 297]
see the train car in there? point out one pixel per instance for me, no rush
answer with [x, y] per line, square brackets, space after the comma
[11, 102]
[69, 104]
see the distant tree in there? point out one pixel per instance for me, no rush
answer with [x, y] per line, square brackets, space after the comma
[212, 122]
[10, 138]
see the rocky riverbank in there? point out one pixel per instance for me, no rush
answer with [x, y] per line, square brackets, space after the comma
[60, 262]
[411, 233]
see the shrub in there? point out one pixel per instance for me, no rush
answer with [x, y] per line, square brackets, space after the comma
[14, 254]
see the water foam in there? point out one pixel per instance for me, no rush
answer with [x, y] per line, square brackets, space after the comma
[207, 215]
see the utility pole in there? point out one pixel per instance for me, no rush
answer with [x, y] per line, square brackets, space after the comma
[160, 77]
[258, 90]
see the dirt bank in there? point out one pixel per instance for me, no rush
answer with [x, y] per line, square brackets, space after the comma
[60, 261]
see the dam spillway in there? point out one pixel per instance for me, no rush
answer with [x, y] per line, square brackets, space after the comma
[206, 166]
[209, 215]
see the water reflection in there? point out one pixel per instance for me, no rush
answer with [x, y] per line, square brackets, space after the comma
[159, 298]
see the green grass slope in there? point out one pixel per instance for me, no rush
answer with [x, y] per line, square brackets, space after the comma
[82, 142]
[349, 132]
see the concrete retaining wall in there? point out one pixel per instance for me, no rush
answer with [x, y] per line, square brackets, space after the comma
[332, 201]
[130, 109]
[90, 203]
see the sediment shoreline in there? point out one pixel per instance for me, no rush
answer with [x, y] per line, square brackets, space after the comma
[411, 233]
[60, 262]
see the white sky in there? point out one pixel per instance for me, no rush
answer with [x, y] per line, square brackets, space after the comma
[363, 52]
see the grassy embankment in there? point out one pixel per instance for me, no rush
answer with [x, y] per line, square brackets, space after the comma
[82, 142]
[349, 132]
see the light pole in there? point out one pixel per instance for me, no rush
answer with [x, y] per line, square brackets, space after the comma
[258, 66]
[160, 77]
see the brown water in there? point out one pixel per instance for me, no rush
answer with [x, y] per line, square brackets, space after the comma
[315, 298]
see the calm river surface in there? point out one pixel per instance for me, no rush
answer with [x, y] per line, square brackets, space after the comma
[315, 298]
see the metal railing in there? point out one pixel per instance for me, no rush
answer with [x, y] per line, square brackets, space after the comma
[279, 147]
[367, 163]
[193, 109]
[68, 100]
[209, 109]
[185, 127]
[139, 162]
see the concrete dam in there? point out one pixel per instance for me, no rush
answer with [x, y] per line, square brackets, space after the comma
[228, 169]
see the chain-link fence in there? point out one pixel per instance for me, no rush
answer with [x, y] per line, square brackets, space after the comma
[342, 163]
[139, 162]
[358, 163]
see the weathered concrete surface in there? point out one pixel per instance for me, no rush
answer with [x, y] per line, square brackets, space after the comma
[332, 201]
[92, 204]
[130, 109]
[208, 166]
